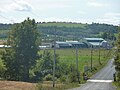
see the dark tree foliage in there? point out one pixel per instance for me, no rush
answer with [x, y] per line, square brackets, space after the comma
[22, 56]
[44, 67]
[117, 59]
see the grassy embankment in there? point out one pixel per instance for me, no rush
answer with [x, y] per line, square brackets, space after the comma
[117, 85]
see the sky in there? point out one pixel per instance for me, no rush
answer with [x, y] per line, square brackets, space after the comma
[80, 11]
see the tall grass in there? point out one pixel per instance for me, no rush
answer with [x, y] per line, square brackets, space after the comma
[47, 85]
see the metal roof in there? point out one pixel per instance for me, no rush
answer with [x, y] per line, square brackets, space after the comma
[93, 38]
[2, 46]
[95, 43]
[59, 42]
[68, 42]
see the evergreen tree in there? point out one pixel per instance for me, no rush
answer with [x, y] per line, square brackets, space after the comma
[22, 56]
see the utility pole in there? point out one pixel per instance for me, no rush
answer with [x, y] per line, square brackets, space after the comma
[77, 64]
[54, 61]
[99, 53]
[91, 57]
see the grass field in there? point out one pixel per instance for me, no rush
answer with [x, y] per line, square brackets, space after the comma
[68, 56]
[62, 24]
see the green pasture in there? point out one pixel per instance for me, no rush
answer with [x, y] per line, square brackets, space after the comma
[68, 56]
[59, 24]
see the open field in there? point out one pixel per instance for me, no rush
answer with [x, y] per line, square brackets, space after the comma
[68, 56]
[60, 24]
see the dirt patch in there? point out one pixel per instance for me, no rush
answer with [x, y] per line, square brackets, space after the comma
[15, 85]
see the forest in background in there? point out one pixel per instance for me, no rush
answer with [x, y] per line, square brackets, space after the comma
[68, 30]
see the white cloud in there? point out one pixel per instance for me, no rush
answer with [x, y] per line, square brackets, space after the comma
[97, 4]
[21, 6]
[47, 5]
[110, 18]
[112, 15]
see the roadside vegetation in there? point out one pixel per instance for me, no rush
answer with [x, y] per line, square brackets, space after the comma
[117, 62]
[117, 85]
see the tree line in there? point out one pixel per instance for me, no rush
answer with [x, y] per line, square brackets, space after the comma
[69, 30]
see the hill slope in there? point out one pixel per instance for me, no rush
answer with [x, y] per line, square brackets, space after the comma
[65, 30]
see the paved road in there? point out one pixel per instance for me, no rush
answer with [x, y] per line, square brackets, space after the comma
[101, 80]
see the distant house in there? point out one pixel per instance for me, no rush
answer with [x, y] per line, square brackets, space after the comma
[96, 42]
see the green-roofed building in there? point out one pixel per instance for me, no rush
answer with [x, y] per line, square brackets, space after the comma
[96, 42]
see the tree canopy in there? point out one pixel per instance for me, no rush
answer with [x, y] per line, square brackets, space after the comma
[23, 54]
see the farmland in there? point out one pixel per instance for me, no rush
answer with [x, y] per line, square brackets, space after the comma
[68, 56]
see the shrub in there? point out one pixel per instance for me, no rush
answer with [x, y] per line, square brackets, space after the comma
[63, 78]
[48, 77]
[72, 77]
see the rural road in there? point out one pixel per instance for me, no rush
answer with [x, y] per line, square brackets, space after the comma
[101, 80]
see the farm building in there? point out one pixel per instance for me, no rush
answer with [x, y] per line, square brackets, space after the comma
[70, 44]
[60, 44]
[77, 44]
[96, 42]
